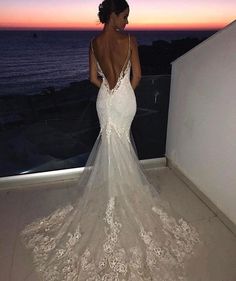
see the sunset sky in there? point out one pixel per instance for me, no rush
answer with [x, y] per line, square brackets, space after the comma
[148, 14]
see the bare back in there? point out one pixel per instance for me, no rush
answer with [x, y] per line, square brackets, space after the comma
[112, 55]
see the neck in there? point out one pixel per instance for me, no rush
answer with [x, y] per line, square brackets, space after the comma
[109, 29]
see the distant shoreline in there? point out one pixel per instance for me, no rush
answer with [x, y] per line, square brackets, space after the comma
[96, 30]
[50, 62]
[155, 60]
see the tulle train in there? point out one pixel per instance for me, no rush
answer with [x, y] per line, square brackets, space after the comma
[117, 227]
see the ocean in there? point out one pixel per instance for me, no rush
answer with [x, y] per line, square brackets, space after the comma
[31, 60]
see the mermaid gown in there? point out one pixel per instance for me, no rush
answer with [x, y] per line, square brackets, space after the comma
[117, 227]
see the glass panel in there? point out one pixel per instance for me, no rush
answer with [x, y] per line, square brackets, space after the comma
[57, 129]
[150, 123]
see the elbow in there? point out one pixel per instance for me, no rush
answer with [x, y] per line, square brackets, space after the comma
[138, 78]
[92, 80]
[137, 75]
[135, 81]
[95, 81]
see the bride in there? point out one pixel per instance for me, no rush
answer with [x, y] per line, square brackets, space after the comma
[117, 227]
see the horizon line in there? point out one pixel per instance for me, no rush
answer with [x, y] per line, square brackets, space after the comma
[96, 29]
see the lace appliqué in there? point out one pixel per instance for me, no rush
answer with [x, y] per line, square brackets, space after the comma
[133, 264]
[121, 132]
[182, 236]
[41, 238]
[114, 257]
[150, 261]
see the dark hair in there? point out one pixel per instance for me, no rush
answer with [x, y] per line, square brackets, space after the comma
[109, 6]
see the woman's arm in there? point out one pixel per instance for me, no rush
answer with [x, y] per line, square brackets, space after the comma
[93, 76]
[136, 68]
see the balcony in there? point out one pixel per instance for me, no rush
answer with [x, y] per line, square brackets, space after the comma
[190, 155]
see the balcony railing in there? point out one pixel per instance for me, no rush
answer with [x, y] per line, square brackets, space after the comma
[56, 130]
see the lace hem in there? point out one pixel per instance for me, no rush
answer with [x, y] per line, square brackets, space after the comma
[157, 262]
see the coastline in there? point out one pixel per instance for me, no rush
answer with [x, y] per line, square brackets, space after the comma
[155, 59]
[16, 109]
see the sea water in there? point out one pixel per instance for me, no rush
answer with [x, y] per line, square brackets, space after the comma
[32, 60]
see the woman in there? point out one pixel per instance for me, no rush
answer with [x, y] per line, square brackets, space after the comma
[112, 46]
[118, 227]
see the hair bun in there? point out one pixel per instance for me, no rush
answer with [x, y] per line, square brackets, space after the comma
[108, 6]
[104, 11]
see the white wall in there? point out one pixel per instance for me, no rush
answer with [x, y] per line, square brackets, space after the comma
[201, 133]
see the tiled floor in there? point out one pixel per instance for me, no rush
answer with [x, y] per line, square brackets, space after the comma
[217, 261]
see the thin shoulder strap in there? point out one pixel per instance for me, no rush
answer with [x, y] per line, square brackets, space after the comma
[129, 47]
[128, 53]
[127, 58]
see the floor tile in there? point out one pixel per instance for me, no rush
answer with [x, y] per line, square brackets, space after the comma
[178, 194]
[215, 260]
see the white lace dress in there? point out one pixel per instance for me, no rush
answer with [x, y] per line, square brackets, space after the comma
[118, 228]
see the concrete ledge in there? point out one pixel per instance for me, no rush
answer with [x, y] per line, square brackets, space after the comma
[153, 163]
[29, 180]
[224, 219]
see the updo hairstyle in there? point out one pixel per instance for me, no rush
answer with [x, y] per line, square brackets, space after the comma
[109, 6]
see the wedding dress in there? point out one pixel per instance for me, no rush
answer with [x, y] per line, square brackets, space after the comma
[117, 228]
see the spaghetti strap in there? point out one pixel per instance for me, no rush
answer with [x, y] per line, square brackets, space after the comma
[128, 54]
[129, 45]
